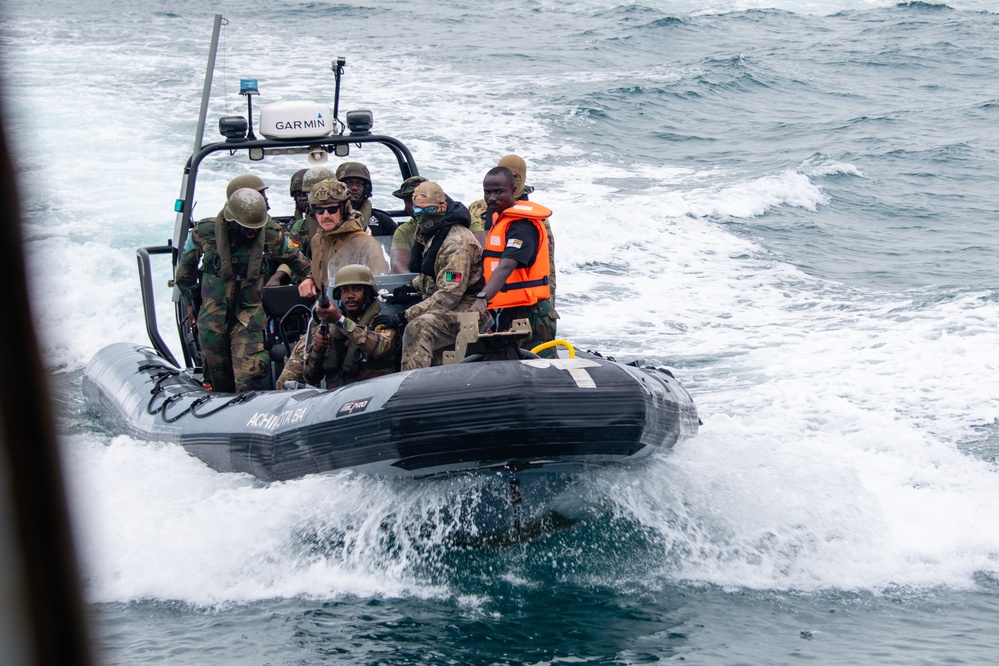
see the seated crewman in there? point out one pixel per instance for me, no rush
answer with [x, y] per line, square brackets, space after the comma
[353, 349]
[448, 263]
[405, 233]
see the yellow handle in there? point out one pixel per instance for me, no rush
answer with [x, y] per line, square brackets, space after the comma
[552, 343]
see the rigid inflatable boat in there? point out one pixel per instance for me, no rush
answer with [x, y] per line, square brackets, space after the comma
[522, 419]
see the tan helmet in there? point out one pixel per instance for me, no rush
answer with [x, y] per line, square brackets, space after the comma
[327, 192]
[296, 182]
[353, 274]
[315, 175]
[518, 166]
[247, 207]
[246, 180]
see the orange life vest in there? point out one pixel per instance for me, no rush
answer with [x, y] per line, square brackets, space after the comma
[524, 286]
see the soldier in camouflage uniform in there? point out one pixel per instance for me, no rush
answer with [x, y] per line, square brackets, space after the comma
[357, 178]
[300, 196]
[450, 273]
[405, 233]
[273, 272]
[356, 350]
[232, 250]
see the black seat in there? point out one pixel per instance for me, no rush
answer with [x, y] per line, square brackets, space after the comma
[288, 317]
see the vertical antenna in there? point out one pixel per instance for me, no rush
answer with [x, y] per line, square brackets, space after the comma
[200, 133]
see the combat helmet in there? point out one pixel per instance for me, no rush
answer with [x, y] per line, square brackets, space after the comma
[518, 166]
[246, 180]
[327, 192]
[315, 175]
[246, 207]
[353, 274]
[296, 182]
[407, 187]
[355, 170]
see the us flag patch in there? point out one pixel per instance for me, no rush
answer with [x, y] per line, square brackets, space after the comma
[514, 243]
[451, 276]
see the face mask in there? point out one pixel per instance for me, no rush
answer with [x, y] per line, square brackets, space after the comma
[426, 220]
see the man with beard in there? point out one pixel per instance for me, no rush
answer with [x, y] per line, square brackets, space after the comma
[352, 349]
[448, 261]
[516, 261]
[341, 238]
[231, 250]
[357, 178]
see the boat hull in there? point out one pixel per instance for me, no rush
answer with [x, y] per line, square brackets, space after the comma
[563, 415]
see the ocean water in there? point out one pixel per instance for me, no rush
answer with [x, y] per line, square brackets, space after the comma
[792, 204]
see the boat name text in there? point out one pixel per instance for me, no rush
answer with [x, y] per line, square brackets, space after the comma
[273, 421]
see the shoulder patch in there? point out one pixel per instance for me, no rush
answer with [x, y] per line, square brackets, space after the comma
[515, 243]
[452, 276]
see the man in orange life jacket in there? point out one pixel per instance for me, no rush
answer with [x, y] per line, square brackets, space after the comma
[515, 261]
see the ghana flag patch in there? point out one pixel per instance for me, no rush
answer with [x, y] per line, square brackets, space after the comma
[451, 276]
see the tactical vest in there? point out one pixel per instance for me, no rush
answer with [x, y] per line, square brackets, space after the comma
[341, 363]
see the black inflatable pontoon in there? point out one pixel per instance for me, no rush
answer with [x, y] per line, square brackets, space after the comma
[562, 414]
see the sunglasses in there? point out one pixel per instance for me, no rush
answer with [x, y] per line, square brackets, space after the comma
[329, 210]
[417, 210]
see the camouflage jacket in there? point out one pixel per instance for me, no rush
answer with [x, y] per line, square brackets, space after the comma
[357, 351]
[302, 230]
[201, 257]
[458, 275]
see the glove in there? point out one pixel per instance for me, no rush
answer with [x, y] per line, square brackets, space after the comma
[397, 320]
[404, 295]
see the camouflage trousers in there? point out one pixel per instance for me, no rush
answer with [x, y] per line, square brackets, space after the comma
[294, 365]
[234, 357]
[541, 316]
[428, 333]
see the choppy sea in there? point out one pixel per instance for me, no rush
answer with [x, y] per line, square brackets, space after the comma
[792, 204]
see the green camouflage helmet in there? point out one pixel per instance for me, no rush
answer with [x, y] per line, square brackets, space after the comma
[315, 175]
[327, 192]
[296, 182]
[246, 180]
[246, 207]
[353, 274]
[353, 170]
[407, 187]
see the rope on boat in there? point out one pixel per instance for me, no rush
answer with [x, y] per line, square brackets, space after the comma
[159, 378]
[242, 397]
[158, 388]
[190, 408]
